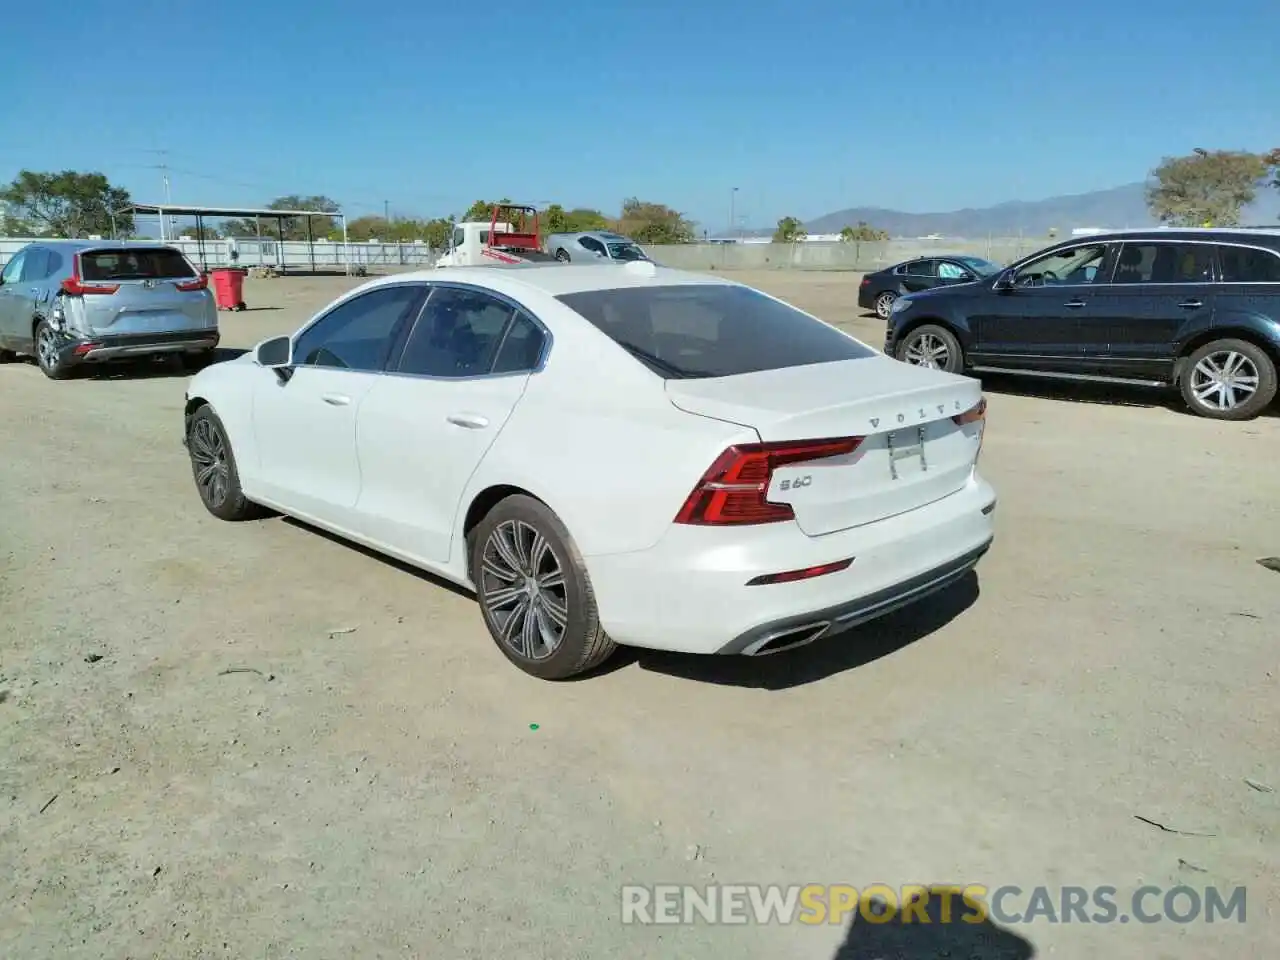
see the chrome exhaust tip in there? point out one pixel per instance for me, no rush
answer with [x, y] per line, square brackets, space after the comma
[787, 639]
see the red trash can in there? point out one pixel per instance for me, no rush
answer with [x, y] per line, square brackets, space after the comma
[228, 287]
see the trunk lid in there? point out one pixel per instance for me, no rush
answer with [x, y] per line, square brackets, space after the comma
[913, 452]
[147, 298]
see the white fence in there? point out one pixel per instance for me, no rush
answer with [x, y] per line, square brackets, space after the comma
[292, 255]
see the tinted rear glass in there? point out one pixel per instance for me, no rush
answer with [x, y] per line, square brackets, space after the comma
[1248, 265]
[134, 264]
[711, 330]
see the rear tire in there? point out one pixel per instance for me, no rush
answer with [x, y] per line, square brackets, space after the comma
[884, 304]
[534, 592]
[47, 353]
[1228, 380]
[213, 467]
[932, 346]
[562, 256]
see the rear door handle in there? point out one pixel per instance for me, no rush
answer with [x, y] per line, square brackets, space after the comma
[1191, 304]
[336, 399]
[471, 421]
[1074, 304]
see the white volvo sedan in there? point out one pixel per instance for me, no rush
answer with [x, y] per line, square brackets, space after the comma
[616, 454]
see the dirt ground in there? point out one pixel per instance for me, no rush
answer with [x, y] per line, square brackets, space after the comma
[253, 740]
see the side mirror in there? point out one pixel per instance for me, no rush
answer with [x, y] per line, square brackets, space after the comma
[275, 354]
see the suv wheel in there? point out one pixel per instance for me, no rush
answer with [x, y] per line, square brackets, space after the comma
[48, 352]
[932, 346]
[1229, 380]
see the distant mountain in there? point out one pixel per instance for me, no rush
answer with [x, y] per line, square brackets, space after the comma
[1114, 209]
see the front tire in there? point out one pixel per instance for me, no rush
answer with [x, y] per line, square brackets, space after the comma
[1229, 380]
[884, 304]
[49, 354]
[932, 346]
[213, 467]
[562, 256]
[534, 592]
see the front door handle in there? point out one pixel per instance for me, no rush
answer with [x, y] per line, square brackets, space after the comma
[336, 399]
[1074, 304]
[471, 421]
[1191, 304]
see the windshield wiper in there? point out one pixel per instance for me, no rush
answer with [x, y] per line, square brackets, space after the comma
[655, 361]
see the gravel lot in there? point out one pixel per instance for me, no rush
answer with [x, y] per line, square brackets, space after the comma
[376, 788]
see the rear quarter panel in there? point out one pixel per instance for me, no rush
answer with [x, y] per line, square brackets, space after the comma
[596, 439]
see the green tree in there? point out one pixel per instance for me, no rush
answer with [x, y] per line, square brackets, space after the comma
[1206, 188]
[295, 228]
[65, 204]
[790, 230]
[863, 232]
[654, 223]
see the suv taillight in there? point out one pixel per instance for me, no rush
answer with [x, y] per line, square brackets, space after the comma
[190, 286]
[733, 489]
[76, 287]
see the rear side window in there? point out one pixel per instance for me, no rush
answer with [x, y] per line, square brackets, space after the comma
[1247, 265]
[457, 334]
[923, 268]
[711, 330]
[1164, 263]
[141, 263]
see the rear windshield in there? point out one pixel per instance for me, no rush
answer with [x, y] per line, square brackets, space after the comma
[711, 330]
[142, 263]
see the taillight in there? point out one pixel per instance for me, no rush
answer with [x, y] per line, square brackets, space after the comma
[199, 283]
[76, 287]
[975, 413]
[733, 489]
[866, 282]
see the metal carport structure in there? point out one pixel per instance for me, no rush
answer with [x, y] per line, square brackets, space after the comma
[228, 213]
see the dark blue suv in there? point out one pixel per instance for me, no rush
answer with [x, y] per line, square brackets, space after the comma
[1197, 309]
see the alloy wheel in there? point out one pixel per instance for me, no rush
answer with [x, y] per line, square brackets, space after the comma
[884, 305]
[47, 348]
[209, 454]
[522, 587]
[927, 350]
[1224, 380]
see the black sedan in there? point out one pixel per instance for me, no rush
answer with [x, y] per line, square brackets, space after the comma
[880, 289]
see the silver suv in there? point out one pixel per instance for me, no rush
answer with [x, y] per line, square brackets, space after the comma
[73, 302]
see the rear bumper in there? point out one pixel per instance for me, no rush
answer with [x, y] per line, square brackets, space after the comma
[865, 300]
[91, 350]
[689, 592]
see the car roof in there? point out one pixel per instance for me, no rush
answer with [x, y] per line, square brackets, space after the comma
[100, 244]
[557, 279]
[1269, 235]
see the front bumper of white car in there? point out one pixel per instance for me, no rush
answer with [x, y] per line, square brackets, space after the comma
[691, 591]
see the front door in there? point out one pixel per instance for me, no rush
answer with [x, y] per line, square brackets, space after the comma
[11, 337]
[305, 424]
[1037, 324]
[1160, 291]
[425, 427]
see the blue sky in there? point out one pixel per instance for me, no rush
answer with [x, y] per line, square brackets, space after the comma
[807, 107]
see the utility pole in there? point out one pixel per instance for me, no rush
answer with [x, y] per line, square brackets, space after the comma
[733, 210]
[163, 167]
[386, 210]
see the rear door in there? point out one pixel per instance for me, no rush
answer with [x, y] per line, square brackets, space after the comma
[424, 428]
[1160, 291]
[920, 275]
[156, 291]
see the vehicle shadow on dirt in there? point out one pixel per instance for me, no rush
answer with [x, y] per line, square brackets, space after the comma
[819, 660]
[152, 369]
[963, 933]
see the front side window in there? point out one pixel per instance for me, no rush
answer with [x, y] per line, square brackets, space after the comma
[1164, 263]
[691, 331]
[459, 237]
[1249, 265]
[951, 271]
[357, 334]
[458, 334]
[1074, 265]
[13, 269]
